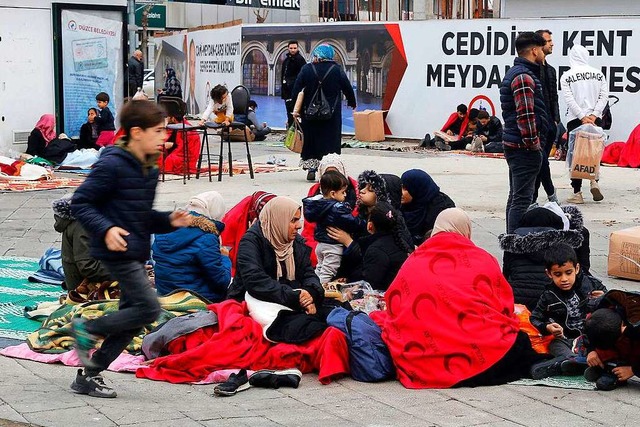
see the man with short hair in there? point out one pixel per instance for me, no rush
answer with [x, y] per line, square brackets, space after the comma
[291, 66]
[549, 81]
[136, 72]
[525, 124]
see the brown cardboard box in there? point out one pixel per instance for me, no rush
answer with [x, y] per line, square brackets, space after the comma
[369, 125]
[624, 253]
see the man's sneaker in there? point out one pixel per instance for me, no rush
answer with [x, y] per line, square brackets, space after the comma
[85, 342]
[592, 373]
[595, 191]
[442, 146]
[547, 368]
[572, 368]
[576, 199]
[235, 383]
[92, 386]
[476, 145]
[275, 379]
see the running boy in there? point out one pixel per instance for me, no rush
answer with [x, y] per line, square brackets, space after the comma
[115, 204]
[328, 210]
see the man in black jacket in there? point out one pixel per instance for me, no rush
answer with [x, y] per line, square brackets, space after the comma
[549, 81]
[136, 72]
[291, 67]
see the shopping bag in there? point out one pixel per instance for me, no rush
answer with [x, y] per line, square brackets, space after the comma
[295, 138]
[586, 155]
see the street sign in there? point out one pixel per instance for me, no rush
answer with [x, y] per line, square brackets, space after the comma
[157, 16]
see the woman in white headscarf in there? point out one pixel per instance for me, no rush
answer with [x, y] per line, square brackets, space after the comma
[191, 257]
[275, 277]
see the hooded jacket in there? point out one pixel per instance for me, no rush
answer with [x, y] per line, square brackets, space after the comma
[523, 261]
[190, 258]
[331, 213]
[585, 89]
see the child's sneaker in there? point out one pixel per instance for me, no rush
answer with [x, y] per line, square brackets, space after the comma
[547, 368]
[592, 373]
[85, 342]
[92, 386]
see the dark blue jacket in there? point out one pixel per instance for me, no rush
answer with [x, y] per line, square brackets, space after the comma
[119, 192]
[190, 258]
[511, 133]
[105, 120]
[331, 213]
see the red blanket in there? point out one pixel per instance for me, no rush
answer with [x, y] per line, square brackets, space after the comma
[237, 342]
[450, 313]
[174, 163]
[451, 120]
[624, 154]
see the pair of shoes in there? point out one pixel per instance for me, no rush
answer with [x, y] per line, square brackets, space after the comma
[595, 191]
[476, 145]
[547, 368]
[554, 198]
[271, 160]
[85, 342]
[235, 383]
[92, 386]
[275, 379]
[576, 199]
[311, 175]
[442, 146]
[281, 162]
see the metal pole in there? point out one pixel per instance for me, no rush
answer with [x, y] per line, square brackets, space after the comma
[131, 8]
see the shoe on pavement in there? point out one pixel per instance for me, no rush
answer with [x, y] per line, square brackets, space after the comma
[572, 368]
[281, 161]
[607, 382]
[547, 368]
[476, 145]
[275, 379]
[576, 199]
[442, 146]
[92, 386]
[85, 342]
[592, 373]
[271, 160]
[311, 175]
[469, 147]
[235, 383]
[595, 191]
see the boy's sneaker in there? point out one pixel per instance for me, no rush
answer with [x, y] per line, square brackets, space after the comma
[235, 383]
[572, 368]
[85, 341]
[595, 191]
[607, 382]
[547, 368]
[92, 386]
[476, 145]
[592, 373]
[576, 199]
[275, 379]
[442, 146]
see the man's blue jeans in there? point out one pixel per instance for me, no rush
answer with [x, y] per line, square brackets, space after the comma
[524, 166]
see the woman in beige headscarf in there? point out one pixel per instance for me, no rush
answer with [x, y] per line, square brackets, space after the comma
[275, 277]
[453, 220]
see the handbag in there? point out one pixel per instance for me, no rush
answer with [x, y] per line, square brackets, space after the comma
[319, 108]
[295, 138]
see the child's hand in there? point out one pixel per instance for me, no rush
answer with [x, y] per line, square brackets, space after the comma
[114, 239]
[594, 360]
[311, 309]
[180, 219]
[305, 299]
[224, 250]
[596, 294]
[623, 372]
[554, 329]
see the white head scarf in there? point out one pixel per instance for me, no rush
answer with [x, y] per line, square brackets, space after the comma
[332, 161]
[209, 204]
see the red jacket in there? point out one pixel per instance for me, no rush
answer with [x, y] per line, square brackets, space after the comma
[174, 162]
[452, 118]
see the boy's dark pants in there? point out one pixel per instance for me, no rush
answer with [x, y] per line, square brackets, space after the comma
[561, 347]
[138, 306]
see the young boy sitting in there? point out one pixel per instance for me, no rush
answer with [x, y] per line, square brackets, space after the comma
[562, 307]
[328, 210]
[613, 340]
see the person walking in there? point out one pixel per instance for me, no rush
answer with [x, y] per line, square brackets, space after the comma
[549, 80]
[136, 72]
[291, 66]
[322, 136]
[525, 124]
[586, 92]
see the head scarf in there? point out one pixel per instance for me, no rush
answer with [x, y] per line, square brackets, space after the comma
[453, 220]
[172, 85]
[324, 52]
[62, 207]
[377, 184]
[423, 190]
[209, 204]
[258, 200]
[394, 189]
[332, 160]
[274, 222]
[47, 127]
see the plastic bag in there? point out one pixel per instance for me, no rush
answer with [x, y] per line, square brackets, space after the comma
[586, 145]
[362, 296]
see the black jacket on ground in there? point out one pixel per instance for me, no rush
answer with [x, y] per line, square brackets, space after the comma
[549, 81]
[36, 143]
[86, 137]
[382, 260]
[136, 71]
[553, 304]
[119, 192]
[493, 130]
[56, 151]
[291, 67]
[256, 272]
[331, 213]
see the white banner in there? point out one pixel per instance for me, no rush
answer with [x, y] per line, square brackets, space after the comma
[453, 62]
[92, 63]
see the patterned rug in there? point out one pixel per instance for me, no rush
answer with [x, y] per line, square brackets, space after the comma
[16, 292]
[49, 184]
[488, 155]
[240, 168]
[575, 383]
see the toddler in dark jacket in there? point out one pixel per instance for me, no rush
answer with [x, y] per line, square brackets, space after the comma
[329, 210]
[115, 204]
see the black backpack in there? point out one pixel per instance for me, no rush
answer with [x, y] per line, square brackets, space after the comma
[319, 108]
[606, 117]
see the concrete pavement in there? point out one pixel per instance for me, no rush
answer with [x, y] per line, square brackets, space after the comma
[39, 394]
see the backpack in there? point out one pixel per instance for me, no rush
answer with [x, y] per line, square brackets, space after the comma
[369, 357]
[319, 108]
[607, 119]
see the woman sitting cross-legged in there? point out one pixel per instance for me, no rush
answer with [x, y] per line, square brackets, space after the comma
[275, 277]
[191, 257]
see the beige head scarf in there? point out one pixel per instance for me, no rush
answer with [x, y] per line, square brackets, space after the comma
[209, 204]
[332, 160]
[275, 218]
[453, 220]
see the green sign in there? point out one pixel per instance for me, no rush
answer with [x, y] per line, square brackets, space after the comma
[156, 15]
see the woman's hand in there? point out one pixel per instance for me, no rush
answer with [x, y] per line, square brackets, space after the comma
[340, 236]
[311, 309]
[305, 299]
[224, 250]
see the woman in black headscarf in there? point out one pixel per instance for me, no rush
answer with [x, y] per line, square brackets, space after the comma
[422, 201]
[172, 85]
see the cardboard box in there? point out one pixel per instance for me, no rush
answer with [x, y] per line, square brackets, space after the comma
[624, 253]
[369, 125]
